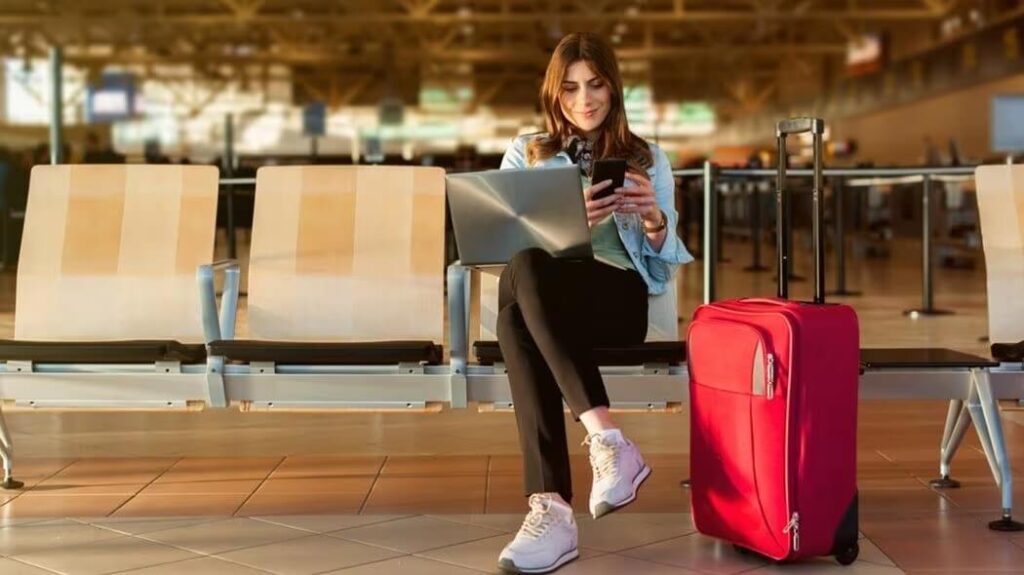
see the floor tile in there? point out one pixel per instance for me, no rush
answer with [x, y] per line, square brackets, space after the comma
[220, 469]
[505, 465]
[307, 485]
[200, 566]
[900, 496]
[870, 553]
[108, 556]
[508, 523]
[12, 567]
[223, 536]
[180, 505]
[22, 539]
[416, 534]
[505, 495]
[312, 554]
[698, 553]
[32, 470]
[617, 564]
[327, 523]
[418, 466]
[29, 505]
[58, 488]
[107, 471]
[203, 487]
[407, 565]
[483, 554]
[455, 494]
[827, 566]
[139, 525]
[626, 530]
[327, 466]
[941, 541]
[302, 503]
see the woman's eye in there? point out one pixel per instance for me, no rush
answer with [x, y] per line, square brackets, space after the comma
[596, 85]
[568, 88]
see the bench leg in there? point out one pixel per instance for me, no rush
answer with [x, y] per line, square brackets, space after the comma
[7, 454]
[981, 427]
[957, 420]
[997, 447]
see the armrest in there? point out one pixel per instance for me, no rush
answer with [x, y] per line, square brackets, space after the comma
[224, 327]
[458, 317]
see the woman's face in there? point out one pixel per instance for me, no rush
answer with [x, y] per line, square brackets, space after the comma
[585, 97]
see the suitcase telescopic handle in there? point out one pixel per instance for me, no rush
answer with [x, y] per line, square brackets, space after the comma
[816, 127]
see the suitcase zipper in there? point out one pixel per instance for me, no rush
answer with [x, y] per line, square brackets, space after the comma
[770, 392]
[793, 529]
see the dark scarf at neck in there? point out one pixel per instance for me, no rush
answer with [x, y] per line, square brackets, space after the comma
[581, 152]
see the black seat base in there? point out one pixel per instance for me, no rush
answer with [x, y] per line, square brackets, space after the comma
[128, 351]
[1008, 352]
[927, 357]
[670, 352]
[329, 353]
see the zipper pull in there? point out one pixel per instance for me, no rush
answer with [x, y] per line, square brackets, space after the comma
[793, 528]
[770, 392]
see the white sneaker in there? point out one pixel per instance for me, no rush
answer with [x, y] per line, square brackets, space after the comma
[619, 470]
[546, 541]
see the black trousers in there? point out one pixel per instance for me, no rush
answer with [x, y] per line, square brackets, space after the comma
[552, 313]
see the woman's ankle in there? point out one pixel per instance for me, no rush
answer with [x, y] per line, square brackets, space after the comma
[597, 420]
[556, 497]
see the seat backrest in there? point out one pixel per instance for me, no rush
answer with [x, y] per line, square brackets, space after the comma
[110, 252]
[662, 315]
[1000, 191]
[347, 253]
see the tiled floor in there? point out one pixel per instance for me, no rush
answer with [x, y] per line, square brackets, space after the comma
[415, 514]
[224, 492]
[653, 543]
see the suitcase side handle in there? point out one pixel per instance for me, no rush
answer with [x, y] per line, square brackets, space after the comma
[816, 126]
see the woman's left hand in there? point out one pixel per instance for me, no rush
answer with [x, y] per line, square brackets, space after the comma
[640, 199]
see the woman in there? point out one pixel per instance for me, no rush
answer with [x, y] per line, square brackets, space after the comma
[552, 312]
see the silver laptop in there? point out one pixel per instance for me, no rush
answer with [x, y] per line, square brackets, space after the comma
[498, 213]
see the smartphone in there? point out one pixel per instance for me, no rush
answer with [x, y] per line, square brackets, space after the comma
[613, 169]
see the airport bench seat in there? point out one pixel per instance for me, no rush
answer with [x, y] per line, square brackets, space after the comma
[329, 353]
[126, 351]
[663, 352]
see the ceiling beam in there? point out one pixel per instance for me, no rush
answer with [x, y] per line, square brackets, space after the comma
[369, 18]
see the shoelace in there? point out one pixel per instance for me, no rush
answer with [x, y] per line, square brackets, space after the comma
[540, 518]
[603, 456]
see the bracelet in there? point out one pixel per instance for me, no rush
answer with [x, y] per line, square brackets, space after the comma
[659, 227]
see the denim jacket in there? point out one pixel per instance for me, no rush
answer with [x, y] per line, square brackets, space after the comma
[655, 267]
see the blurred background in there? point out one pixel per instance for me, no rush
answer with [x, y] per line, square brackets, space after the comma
[245, 83]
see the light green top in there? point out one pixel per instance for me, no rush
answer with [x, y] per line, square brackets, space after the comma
[607, 244]
[608, 247]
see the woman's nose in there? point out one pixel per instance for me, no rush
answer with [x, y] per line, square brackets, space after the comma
[583, 98]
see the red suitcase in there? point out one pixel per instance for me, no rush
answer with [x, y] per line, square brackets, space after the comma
[773, 402]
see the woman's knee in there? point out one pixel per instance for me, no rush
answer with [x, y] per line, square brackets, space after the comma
[525, 266]
[528, 260]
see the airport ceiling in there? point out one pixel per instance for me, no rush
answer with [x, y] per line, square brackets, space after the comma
[355, 52]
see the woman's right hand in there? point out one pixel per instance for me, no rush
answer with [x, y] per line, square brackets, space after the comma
[598, 210]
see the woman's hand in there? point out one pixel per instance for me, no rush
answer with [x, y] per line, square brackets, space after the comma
[640, 199]
[598, 210]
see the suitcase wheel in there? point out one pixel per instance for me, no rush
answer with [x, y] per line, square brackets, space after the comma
[848, 555]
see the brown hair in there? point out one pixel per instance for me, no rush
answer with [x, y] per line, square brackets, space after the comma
[615, 139]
